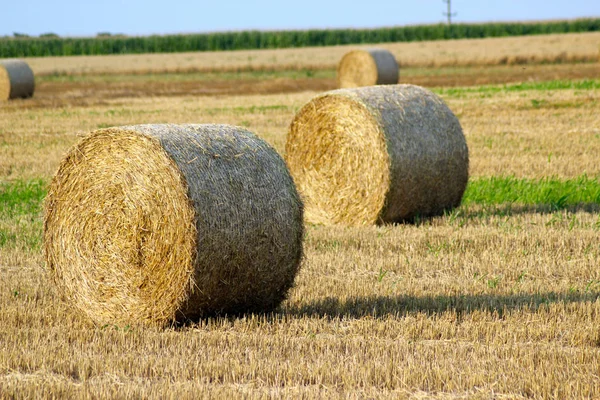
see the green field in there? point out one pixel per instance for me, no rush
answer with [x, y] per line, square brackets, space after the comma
[50, 46]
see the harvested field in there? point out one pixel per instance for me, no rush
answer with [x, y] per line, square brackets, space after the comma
[566, 48]
[498, 299]
[93, 90]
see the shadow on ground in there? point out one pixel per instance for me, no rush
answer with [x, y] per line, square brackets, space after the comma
[403, 305]
[516, 209]
[475, 211]
[400, 306]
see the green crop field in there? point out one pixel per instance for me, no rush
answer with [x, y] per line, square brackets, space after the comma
[53, 46]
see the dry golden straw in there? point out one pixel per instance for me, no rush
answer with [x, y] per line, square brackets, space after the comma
[153, 223]
[367, 68]
[377, 154]
[16, 80]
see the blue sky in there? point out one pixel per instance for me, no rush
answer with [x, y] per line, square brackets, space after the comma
[137, 17]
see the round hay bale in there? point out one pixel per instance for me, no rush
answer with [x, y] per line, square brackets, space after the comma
[155, 223]
[16, 80]
[377, 154]
[367, 68]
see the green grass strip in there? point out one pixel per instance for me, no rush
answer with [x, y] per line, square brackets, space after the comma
[21, 214]
[21, 197]
[553, 192]
[586, 84]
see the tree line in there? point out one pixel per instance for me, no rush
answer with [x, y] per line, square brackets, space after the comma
[24, 46]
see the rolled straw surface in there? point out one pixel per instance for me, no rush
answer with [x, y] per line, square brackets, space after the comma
[377, 154]
[366, 68]
[153, 223]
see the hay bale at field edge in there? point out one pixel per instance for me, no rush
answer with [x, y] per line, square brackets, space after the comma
[377, 154]
[154, 223]
[366, 68]
[16, 80]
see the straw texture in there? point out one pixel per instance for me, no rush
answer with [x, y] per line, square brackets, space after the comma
[153, 223]
[377, 154]
[16, 80]
[366, 68]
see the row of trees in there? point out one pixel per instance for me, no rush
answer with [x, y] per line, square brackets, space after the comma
[54, 46]
[20, 35]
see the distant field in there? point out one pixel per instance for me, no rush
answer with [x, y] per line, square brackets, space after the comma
[66, 81]
[499, 298]
[514, 129]
[566, 48]
[77, 90]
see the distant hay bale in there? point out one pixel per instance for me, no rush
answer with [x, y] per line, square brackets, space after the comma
[377, 154]
[16, 80]
[367, 68]
[155, 223]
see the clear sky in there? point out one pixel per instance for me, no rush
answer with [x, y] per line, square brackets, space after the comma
[144, 17]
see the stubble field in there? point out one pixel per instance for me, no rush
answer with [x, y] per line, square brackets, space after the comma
[497, 299]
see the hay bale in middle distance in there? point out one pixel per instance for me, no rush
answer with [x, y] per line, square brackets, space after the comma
[152, 223]
[367, 68]
[377, 154]
[16, 80]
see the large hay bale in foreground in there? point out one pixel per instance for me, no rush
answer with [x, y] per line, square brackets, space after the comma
[151, 223]
[16, 80]
[377, 154]
[367, 68]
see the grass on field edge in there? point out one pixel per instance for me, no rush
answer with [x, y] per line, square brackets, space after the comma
[584, 84]
[21, 202]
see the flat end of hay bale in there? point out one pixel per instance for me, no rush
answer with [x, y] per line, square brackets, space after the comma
[338, 157]
[4, 84]
[151, 223]
[117, 221]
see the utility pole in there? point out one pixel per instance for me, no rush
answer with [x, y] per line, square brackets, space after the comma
[449, 13]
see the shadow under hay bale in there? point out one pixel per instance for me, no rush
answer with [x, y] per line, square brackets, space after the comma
[153, 223]
[16, 80]
[377, 154]
[367, 68]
